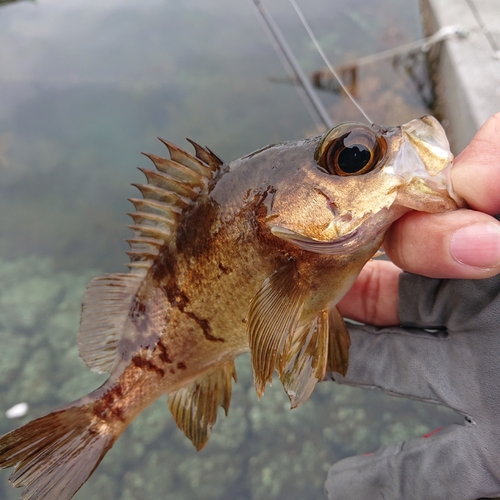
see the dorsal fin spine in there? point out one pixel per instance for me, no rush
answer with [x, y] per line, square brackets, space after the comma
[171, 189]
[169, 183]
[162, 179]
[150, 205]
[150, 231]
[138, 266]
[206, 155]
[180, 156]
[144, 241]
[141, 254]
[152, 192]
[140, 217]
[177, 169]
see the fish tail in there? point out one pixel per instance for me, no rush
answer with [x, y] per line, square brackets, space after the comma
[55, 454]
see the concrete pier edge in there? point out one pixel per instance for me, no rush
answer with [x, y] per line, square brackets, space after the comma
[466, 72]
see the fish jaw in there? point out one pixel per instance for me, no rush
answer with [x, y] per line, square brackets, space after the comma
[334, 214]
[370, 235]
[424, 161]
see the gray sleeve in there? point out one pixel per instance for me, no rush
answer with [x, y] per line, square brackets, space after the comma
[447, 352]
[454, 305]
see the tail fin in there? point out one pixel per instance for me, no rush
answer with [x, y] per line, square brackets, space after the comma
[55, 454]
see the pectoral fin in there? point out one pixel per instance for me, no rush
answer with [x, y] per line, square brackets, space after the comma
[303, 361]
[195, 406]
[278, 337]
[338, 344]
[273, 316]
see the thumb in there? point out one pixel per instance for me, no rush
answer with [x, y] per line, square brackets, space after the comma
[475, 171]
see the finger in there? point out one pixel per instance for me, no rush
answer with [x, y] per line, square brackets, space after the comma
[445, 465]
[459, 244]
[373, 298]
[476, 171]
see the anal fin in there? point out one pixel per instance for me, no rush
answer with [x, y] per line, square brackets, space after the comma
[195, 406]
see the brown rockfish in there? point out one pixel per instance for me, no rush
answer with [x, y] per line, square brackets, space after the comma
[225, 258]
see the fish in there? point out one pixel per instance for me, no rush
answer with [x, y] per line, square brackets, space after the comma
[226, 258]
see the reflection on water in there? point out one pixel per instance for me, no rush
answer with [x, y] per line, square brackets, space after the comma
[84, 87]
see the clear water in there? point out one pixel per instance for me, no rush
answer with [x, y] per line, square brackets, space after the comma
[84, 87]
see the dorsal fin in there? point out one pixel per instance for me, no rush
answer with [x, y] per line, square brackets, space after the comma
[195, 406]
[171, 188]
[105, 309]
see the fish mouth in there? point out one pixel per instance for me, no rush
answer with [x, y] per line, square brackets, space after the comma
[338, 246]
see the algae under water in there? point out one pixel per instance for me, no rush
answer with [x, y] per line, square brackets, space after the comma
[85, 87]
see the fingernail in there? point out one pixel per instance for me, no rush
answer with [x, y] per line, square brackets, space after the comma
[477, 245]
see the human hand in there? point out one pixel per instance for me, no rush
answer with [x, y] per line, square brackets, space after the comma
[458, 244]
[458, 366]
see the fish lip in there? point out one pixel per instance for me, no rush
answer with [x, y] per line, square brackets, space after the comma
[339, 246]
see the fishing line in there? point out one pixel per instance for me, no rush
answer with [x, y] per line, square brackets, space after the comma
[423, 45]
[286, 53]
[292, 77]
[487, 33]
[326, 60]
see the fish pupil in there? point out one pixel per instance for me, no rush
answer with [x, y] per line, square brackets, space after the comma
[353, 158]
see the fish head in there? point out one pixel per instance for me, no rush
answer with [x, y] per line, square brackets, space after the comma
[361, 179]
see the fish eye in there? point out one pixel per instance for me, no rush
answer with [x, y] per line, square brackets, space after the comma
[351, 148]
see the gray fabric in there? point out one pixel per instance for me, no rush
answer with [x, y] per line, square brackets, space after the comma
[458, 366]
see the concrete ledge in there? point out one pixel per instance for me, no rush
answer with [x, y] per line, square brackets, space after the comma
[466, 72]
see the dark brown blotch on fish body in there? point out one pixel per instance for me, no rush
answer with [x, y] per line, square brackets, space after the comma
[140, 361]
[163, 352]
[177, 298]
[106, 408]
[164, 267]
[193, 236]
[180, 300]
[225, 269]
[205, 327]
